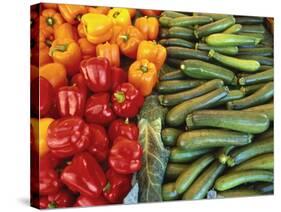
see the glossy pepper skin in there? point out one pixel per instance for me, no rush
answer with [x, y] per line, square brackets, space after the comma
[72, 13]
[125, 156]
[123, 128]
[98, 109]
[118, 76]
[50, 19]
[118, 186]
[128, 40]
[84, 175]
[97, 73]
[42, 52]
[66, 30]
[79, 81]
[85, 201]
[99, 146]
[143, 75]
[149, 26]
[109, 51]
[62, 199]
[70, 101]
[120, 16]
[153, 52]
[68, 136]
[87, 49]
[67, 52]
[97, 27]
[126, 100]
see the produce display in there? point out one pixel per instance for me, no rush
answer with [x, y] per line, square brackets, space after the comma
[132, 105]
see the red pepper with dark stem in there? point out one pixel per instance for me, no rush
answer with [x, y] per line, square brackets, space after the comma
[70, 101]
[84, 201]
[62, 199]
[97, 73]
[68, 136]
[117, 187]
[99, 146]
[118, 76]
[125, 156]
[84, 175]
[98, 109]
[120, 127]
[127, 100]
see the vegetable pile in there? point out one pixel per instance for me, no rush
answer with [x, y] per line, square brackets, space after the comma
[142, 106]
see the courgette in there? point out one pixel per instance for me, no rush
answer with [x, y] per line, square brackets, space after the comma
[233, 29]
[214, 16]
[267, 109]
[173, 86]
[174, 75]
[186, 53]
[172, 14]
[169, 192]
[232, 95]
[249, 20]
[170, 135]
[165, 21]
[177, 32]
[257, 28]
[260, 51]
[173, 170]
[249, 89]
[176, 42]
[261, 59]
[260, 77]
[230, 50]
[178, 155]
[238, 192]
[186, 21]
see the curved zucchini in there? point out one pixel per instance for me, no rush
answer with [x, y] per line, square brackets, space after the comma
[173, 75]
[238, 192]
[169, 192]
[186, 53]
[186, 21]
[176, 116]
[165, 21]
[267, 109]
[173, 62]
[260, 51]
[173, 86]
[223, 153]
[182, 156]
[170, 135]
[249, 89]
[177, 32]
[176, 42]
[234, 179]
[172, 14]
[214, 16]
[232, 95]
[209, 138]
[241, 121]
[173, 170]
[261, 59]
[230, 50]
[249, 20]
[233, 29]
[260, 77]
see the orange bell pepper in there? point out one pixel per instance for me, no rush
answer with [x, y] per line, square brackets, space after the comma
[153, 52]
[143, 75]
[55, 73]
[128, 40]
[150, 12]
[67, 52]
[66, 30]
[98, 10]
[45, 41]
[149, 26]
[72, 13]
[50, 6]
[50, 19]
[40, 129]
[116, 29]
[87, 49]
[132, 12]
[97, 27]
[80, 30]
[120, 16]
[109, 51]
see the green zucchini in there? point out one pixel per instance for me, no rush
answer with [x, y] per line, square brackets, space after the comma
[178, 155]
[233, 29]
[233, 62]
[214, 27]
[173, 170]
[176, 98]
[265, 76]
[173, 86]
[176, 42]
[169, 192]
[186, 53]
[238, 192]
[201, 186]
[223, 153]
[249, 20]
[249, 89]
[234, 179]
[202, 70]
[264, 67]
[165, 21]
[187, 177]
[174, 75]
[241, 154]
[223, 40]
[170, 135]
[263, 95]
[261, 51]
[214, 16]
[267, 109]
[186, 21]
[177, 32]
[261, 59]
[266, 134]
[176, 116]
[232, 95]
[230, 50]
[172, 14]
[241, 121]
[259, 28]
[255, 35]
[210, 138]
[173, 62]
[261, 162]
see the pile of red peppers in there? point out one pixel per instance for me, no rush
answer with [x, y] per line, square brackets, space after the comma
[91, 147]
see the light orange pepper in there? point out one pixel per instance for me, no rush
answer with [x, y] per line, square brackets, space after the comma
[46, 39]
[153, 52]
[98, 10]
[72, 13]
[67, 52]
[80, 30]
[149, 26]
[116, 29]
[143, 75]
[109, 51]
[50, 19]
[87, 49]
[50, 6]
[66, 30]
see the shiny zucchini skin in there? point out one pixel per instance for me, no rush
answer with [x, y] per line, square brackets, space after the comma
[174, 86]
[267, 109]
[178, 155]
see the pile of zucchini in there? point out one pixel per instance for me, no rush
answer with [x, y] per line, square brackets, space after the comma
[218, 86]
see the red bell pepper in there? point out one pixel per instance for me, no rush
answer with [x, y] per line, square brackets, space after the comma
[117, 187]
[61, 199]
[125, 156]
[84, 201]
[99, 146]
[41, 202]
[70, 101]
[84, 175]
[97, 73]
[98, 109]
[79, 81]
[120, 127]
[118, 76]
[42, 96]
[127, 100]
[68, 136]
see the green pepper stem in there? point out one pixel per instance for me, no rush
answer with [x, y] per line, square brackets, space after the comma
[60, 47]
[50, 21]
[116, 14]
[144, 68]
[52, 205]
[124, 37]
[119, 96]
[107, 186]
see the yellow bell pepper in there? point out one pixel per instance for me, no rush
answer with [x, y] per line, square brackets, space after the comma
[120, 16]
[97, 27]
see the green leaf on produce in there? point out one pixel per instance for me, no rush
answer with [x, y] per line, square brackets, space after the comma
[154, 160]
